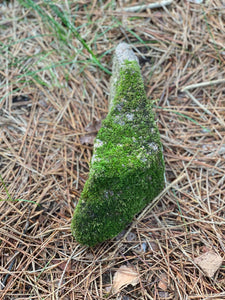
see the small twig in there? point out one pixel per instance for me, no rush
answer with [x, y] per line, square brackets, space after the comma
[145, 6]
[78, 173]
[201, 84]
[199, 104]
[204, 108]
[5, 279]
[64, 271]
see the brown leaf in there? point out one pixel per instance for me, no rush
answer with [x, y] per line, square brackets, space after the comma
[94, 125]
[153, 246]
[209, 262]
[163, 282]
[93, 128]
[88, 139]
[124, 275]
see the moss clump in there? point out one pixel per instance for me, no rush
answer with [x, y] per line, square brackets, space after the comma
[127, 168]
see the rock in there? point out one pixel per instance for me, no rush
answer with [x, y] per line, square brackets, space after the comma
[127, 167]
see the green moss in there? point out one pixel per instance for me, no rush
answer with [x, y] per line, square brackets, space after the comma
[127, 168]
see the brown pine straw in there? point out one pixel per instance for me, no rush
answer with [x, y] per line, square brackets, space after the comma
[43, 115]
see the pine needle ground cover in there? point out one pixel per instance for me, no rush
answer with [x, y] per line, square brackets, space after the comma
[56, 61]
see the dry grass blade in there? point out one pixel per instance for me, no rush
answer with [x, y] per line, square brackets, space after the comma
[52, 87]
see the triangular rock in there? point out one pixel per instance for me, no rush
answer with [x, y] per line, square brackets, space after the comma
[127, 168]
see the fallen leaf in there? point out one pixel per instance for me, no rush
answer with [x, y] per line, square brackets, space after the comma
[205, 249]
[163, 282]
[95, 125]
[88, 139]
[93, 129]
[124, 275]
[153, 246]
[209, 262]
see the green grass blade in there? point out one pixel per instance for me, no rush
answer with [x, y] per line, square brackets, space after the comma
[184, 116]
[60, 29]
[9, 196]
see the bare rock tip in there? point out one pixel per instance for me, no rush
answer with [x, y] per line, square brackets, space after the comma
[124, 52]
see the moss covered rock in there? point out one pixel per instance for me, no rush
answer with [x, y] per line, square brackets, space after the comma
[127, 168]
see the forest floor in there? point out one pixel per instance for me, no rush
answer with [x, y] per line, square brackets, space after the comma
[56, 61]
